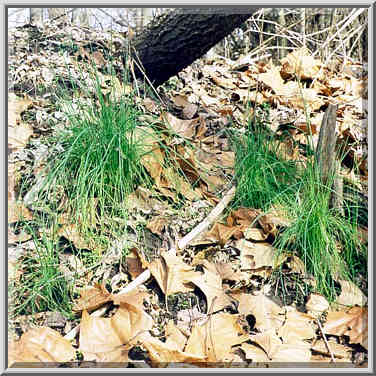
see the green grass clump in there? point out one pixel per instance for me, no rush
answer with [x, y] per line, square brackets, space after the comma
[263, 175]
[98, 156]
[42, 286]
[325, 240]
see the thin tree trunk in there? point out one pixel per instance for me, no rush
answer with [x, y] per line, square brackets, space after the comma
[36, 15]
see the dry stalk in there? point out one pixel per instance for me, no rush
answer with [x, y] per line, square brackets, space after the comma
[325, 340]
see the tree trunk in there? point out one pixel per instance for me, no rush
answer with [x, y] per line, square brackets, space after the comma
[36, 15]
[176, 39]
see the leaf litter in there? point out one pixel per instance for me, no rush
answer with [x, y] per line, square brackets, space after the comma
[235, 319]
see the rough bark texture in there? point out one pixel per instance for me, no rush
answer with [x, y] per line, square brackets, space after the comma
[326, 157]
[174, 40]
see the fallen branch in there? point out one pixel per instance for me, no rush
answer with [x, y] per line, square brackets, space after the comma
[214, 214]
[145, 275]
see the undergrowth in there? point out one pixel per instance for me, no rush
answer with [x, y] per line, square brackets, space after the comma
[326, 240]
[42, 286]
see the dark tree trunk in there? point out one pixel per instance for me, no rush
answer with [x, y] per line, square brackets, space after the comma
[175, 40]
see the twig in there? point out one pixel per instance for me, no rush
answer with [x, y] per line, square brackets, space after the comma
[325, 340]
[214, 214]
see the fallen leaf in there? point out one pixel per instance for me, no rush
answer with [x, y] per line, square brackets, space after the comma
[134, 264]
[119, 355]
[161, 353]
[174, 336]
[254, 353]
[21, 237]
[353, 323]
[157, 225]
[153, 157]
[41, 345]
[268, 340]
[351, 294]
[102, 335]
[338, 350]
[210, 283]
[255, 234]
[183, 128]
[220, 233]
[215, 338]
[297, 326]
[18, 132]
[72, 233]
[172, 274]
[188, 317]
[317, 304]
[258, 255]
[92, 298]
[297, 352]
[268, 314]
[301, 63]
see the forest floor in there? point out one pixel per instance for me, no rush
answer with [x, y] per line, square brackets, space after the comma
[225, 275]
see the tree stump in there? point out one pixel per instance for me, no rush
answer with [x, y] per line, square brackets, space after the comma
[327, 163]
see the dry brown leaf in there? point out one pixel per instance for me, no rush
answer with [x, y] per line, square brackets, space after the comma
[18, 132]
[119, 355]
[338, 350]
[255, 234]
[297, 352]
[301, 63]
[215, 338]
[297, 326]
[134, 264]
[92, 298]
[351, 294]
[242, 217]
[210, 283]
[98, 58]
[153, 157]
[268, 340]
[246, 96]
[41, 345]
[183, 128]
[254, 353]
[101, 335]
[220, 233]
[157, 225]
[15, 238]
[187, 317]
[174, 336]
[317, 304]
[224, 82]
[258, 255]
[16, 210]
[189, 109]
[150, 105]
[272, 78]
[353, 323]
[268, 314]
[172, 274]
[161, 353]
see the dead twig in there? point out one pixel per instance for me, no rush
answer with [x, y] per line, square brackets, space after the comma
[325, 340]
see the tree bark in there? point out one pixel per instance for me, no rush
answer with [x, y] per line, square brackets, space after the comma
[36, 15]
[176, 39]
